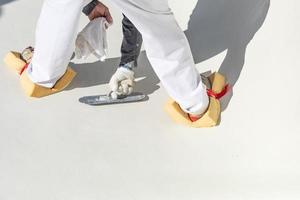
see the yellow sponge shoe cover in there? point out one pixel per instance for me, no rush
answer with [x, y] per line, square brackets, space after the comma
[33, 90]
[13, 60]
[210, 118]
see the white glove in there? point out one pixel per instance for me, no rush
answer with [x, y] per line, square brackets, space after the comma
[93, 40]
[122, 82]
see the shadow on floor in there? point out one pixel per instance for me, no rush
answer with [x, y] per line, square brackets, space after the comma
[219, 25]
[214, 26]
[3, 2]
[99, 73]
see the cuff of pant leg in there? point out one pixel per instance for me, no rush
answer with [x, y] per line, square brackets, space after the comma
[47, 84]
[90, 7]
[199, 108]
[130, 65]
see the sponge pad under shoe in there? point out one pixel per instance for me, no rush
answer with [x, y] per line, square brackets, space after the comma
[213, 113]
[14, 61]
[33, 90]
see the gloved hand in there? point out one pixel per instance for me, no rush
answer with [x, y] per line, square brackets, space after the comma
[122, 82]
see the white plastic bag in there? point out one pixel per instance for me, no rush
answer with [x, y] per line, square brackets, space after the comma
[92, 40]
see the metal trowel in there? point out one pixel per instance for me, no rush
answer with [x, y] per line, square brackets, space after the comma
[98, 100]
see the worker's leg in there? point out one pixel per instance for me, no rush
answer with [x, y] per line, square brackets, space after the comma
[131, 45]
[168, 51]
[55, 36]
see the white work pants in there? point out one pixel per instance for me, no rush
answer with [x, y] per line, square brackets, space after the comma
[165, 43]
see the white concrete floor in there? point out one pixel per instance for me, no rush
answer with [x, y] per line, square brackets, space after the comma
[58, 149]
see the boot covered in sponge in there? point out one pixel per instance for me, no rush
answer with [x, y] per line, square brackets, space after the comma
[211, 117]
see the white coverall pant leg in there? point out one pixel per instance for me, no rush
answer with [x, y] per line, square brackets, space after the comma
[168, 51]
[166, 46]
[55, 37]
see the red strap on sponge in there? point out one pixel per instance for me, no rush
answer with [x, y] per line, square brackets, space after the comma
[215, 95]
[192, 118]
[218, 96]
[24, 68]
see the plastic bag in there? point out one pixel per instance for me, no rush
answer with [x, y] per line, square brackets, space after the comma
[92, 40]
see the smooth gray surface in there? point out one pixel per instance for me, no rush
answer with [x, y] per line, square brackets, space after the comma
[57, 149]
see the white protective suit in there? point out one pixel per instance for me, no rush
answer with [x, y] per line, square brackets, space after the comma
[165, 43]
